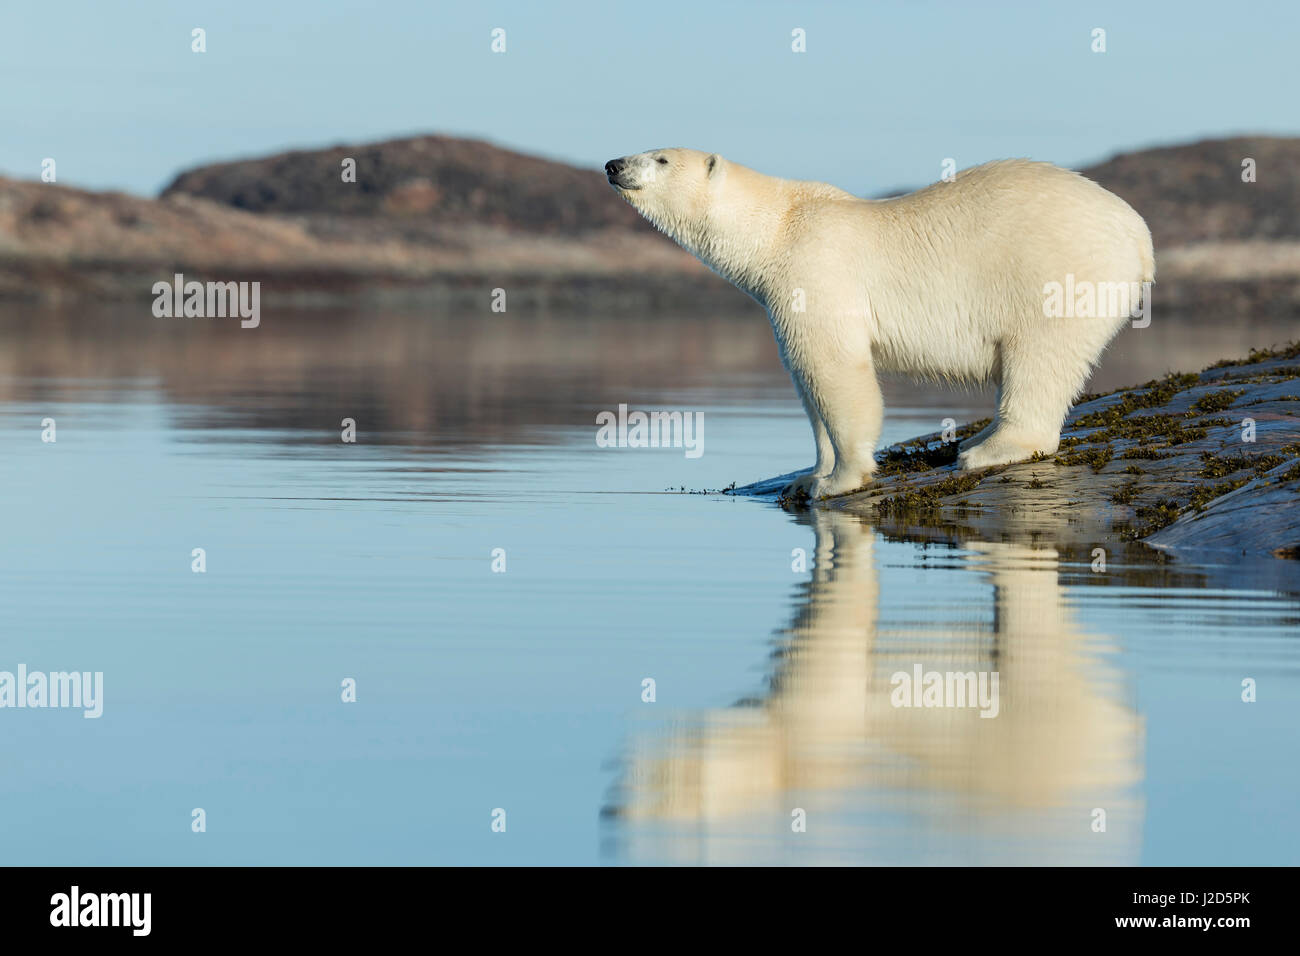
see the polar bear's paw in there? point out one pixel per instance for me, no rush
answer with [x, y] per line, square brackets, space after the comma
[801, 488]
[839, 483]
[1004, 450]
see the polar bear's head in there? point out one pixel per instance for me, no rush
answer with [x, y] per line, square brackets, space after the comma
[670, 187]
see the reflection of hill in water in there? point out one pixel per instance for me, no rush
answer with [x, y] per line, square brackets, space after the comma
[885, 784]
[405, 378]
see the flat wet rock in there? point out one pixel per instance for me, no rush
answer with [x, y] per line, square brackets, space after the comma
[1205, 461]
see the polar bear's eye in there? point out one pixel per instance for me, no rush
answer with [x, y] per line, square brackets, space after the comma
[662, 161]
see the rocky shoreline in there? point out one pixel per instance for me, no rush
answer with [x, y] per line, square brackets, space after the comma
[1206, 462]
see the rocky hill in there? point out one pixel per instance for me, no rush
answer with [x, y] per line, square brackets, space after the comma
[428, 179]
[430, 220]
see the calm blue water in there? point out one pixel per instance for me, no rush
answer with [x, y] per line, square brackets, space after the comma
[522, 690]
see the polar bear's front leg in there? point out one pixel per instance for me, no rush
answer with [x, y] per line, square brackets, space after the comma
[848, 398]
[802, 486]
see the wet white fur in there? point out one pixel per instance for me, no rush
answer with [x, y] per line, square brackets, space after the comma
[947, 283]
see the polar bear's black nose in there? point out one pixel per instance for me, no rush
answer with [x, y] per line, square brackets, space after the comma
[614, 167]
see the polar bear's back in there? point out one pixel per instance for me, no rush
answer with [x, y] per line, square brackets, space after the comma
[965, 263]
[1054, 216]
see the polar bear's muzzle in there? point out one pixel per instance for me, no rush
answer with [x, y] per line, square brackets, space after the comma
[619, 172]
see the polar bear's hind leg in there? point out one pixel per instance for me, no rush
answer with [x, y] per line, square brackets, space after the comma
[1040, 379]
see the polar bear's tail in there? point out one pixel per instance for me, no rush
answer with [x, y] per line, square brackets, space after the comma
[1148, 254]
[1146, 257]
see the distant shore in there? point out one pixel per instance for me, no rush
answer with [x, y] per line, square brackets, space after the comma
[441, 222]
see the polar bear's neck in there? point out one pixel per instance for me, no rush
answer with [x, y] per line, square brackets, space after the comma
[740, 232]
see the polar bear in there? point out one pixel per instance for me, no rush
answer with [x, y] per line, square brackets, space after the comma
[960, 281]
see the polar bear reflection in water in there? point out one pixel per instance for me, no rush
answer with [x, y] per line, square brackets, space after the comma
[885, 784]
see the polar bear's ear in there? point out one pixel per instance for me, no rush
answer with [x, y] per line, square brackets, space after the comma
[711, 164]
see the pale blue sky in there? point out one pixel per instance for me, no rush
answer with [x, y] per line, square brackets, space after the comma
[884, 93]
